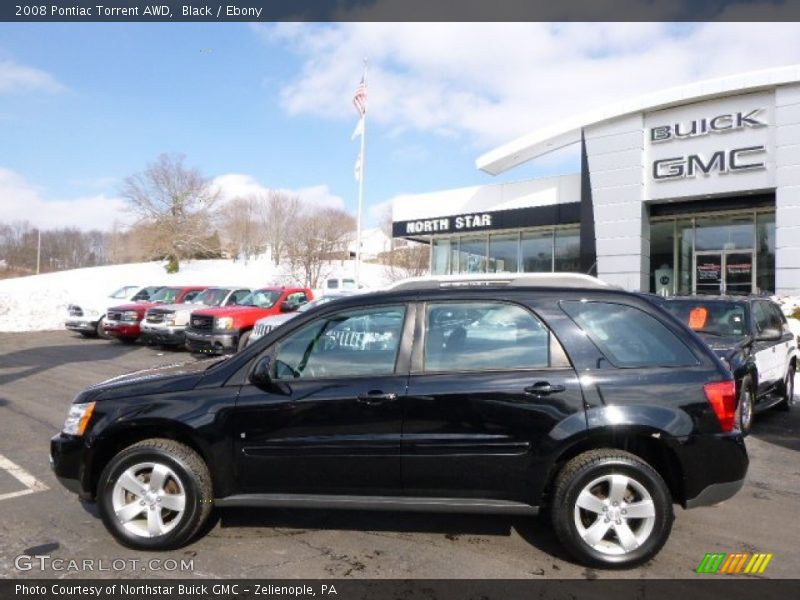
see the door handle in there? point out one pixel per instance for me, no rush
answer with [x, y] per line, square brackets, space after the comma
[544, 388]
[373, 398]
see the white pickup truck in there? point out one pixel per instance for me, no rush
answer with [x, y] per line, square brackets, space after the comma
[86, 316]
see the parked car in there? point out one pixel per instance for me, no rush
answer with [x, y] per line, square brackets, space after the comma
[87, 316]
[225, 330]
[752, 337]
[555, 394]
[267, 324]
[166, 324]
[124, 322]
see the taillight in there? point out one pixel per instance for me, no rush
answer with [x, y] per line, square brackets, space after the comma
[722, 398]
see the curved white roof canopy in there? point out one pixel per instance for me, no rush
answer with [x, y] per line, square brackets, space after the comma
[568, 131]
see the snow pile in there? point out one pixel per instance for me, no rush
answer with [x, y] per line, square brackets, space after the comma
[39, 302]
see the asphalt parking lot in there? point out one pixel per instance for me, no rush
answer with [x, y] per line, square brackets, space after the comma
[40, 373]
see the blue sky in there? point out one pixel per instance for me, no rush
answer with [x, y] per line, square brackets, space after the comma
[84, 105]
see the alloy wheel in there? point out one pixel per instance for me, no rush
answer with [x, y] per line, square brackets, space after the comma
[614, 514]
[148, 499]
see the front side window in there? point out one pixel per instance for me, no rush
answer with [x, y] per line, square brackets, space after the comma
[761, 317]
[347, 344]
[481, 336]
[123, 292]
[628, 336]
[191, 297]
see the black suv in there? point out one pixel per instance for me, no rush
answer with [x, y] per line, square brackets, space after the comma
[752, 337]
[551, 393]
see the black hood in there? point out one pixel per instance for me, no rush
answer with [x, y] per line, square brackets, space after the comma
[172, 377]
[723, 346]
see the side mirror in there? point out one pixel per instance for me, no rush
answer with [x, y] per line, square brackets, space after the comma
[770, 334]
[287, 307]
[261, 375]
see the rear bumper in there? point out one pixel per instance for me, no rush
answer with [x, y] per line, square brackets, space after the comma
[212, 342]
[66, 460]
[81, 325]
[120, 329]
[714, 467]
[168, 336]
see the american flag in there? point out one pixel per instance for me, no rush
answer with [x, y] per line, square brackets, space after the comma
[360, 97]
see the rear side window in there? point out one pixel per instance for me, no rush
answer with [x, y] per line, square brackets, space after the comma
[628, 336]
[482, 336]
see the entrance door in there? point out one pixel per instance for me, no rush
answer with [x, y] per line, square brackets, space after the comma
[708, 274]
[739, 273]
[723, 272]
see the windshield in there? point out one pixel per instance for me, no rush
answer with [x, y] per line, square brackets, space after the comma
[166, 295]
[124, 292]
[261, 298]
[211, 297]
[718, 317]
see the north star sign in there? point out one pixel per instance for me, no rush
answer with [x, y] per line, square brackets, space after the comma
[733, 160]
[447, 224]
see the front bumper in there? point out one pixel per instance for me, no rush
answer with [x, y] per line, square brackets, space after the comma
[166, 336]
[213, 342]
[122, 329]
[66, 460]
[81, 325]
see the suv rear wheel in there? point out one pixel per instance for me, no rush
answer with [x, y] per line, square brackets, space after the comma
[611, 509]
[747, 396]
[788, 391]
[155, 495]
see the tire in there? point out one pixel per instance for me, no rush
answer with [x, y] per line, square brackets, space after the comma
[592, 474]
[151, 523]
[746, 405]
[243, 341]
[788, 392]
[99, 331]
[87, 334]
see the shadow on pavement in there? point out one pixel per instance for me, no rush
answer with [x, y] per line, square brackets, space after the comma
[778, 427]
[40, 359]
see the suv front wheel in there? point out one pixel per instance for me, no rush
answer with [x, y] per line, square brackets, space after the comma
[611, 509]
[155, 495]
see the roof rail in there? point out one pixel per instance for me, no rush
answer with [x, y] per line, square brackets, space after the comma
[541, 280]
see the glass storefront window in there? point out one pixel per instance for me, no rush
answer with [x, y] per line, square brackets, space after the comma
[714, 254]
[472, 254]
[724, 232]
[765, 252]
[662, 258]
[440, 260]
[503, 251]
[537, 251]
[567, 250]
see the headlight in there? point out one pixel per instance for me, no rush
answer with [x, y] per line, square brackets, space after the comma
[78, 418]
[93, 312]
[130, 315]
[223, 323]
[169, 319]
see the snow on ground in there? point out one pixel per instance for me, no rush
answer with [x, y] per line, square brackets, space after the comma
[39, 302]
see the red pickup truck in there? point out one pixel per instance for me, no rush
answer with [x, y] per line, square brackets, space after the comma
[225, 329]
[123, 322]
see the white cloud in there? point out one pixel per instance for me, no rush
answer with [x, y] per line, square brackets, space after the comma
[16, 78]
[235, 185]
[491, 82]
[22, 201]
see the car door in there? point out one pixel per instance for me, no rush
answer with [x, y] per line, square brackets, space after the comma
[489, 383]
[330, 423]
[767, 357]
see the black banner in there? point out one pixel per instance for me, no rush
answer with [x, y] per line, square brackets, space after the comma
[600, 589]
[397, 10]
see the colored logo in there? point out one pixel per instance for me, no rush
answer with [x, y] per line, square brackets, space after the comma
[734, 563]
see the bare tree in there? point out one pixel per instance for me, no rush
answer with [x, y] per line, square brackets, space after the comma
[241, 225]
[280, 212]
[176, 201]
[317, 236]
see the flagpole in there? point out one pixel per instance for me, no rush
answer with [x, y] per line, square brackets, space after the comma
[361, 187]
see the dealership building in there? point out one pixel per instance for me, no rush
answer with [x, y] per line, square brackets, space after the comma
[693, 189]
